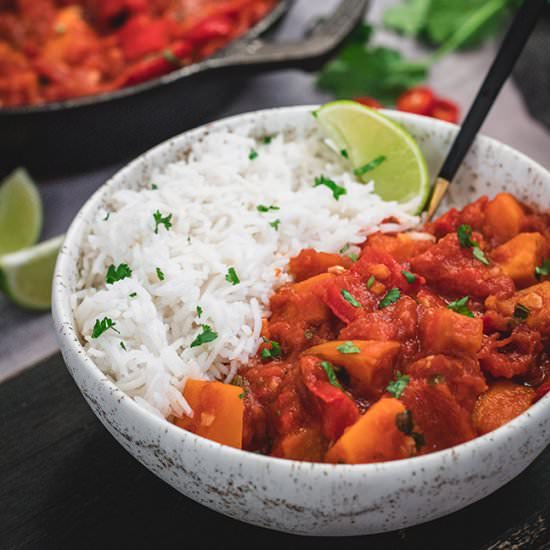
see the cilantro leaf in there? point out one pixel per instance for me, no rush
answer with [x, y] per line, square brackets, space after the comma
[410, 277]
[349, 298]
[275, 224]
[253, 154]
[464, 234]
[390, 298]
[344, 153]
[123, 346]
[360, 69]
[521, 312]
[232, 277]
[371, 281]
[362, 170]
[102, 326]
[353, 257]
[461, 306]
[207, 335]
[199, 311]
[262, 208]
[160, 274]
[162, 220]
[115, 274]
[543, 270]
[273, 352]
[266, 140]
[397, 387]
[348, 348]
[408, 18]
[337, 191]
[332, 378]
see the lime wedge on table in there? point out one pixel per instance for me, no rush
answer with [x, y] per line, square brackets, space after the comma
[20, 212]
[26, 276]
[385, 151]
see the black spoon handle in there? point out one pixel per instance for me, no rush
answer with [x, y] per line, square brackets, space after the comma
[511, 48]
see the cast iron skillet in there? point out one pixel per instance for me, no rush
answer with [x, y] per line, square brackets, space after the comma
[88, 132]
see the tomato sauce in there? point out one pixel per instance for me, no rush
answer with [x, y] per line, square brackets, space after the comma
[53, 50]
[417, 345]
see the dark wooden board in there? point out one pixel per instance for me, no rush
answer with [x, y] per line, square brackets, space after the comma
[66, 484]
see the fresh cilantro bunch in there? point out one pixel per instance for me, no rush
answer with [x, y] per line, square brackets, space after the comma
[362, 69]
[438, 21]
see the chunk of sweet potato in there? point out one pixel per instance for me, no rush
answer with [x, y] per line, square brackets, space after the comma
[502, 402]
[218, 411]
[310, 263]
[504, 217]
[519, 256]
[375, 437]
[535, 298]
[306, 444]
[444, 331]
[372, 367]
[400, 246]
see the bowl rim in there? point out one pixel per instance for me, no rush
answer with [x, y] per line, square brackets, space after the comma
[68, 336]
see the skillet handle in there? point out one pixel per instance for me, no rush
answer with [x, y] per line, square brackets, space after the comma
[309, 54]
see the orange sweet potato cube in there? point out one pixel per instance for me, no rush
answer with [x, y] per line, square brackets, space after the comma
[218, 411]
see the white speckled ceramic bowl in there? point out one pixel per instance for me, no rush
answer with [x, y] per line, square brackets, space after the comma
[300, 497]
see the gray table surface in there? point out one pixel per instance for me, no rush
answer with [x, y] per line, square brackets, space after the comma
[26, 337]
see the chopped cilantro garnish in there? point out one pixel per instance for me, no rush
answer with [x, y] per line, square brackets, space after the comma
[397, 387]
[199, 311]
[348, 348]
[349, 298]
[543, 270]
[106, 216]
[314, 114]
[479, 255]
[345, 248]
[263, 208]
[115, 274]
[329, 369]
[162, 220]
[133, 295]
[232, 277]
[362, 170]
[170, 57]
[160, 274]
[371, 280]
[390, 298]
[123, 346]
[461, 306]
[273, 352]
[337, 191]
[207, 335]
[353, 257]
[464, 234]
[275, 224]
[405, 424]
[266, 140]
[521, 312]
[344, 153]
[243, 394]
[253, 154]
[154, 187]
[101, 326]
[411, 277]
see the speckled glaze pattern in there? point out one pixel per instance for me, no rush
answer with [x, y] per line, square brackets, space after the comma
[290, 496]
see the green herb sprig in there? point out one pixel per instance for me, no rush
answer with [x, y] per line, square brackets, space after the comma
[102, 326]
[461, 306]
[162, 220]
[115, 274]
[337, 190]
[332, 378]
[207, 335]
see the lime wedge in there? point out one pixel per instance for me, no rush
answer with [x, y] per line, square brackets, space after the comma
[379, 150]
[20, 212]
[26, 276]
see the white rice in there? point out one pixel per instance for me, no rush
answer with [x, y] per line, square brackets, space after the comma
[213, 197]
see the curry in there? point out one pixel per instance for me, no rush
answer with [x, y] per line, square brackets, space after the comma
[422, 342]
[53, 50]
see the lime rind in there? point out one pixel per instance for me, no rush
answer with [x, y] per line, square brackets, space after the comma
[363, 132]
[26, 276]
[20, 212]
